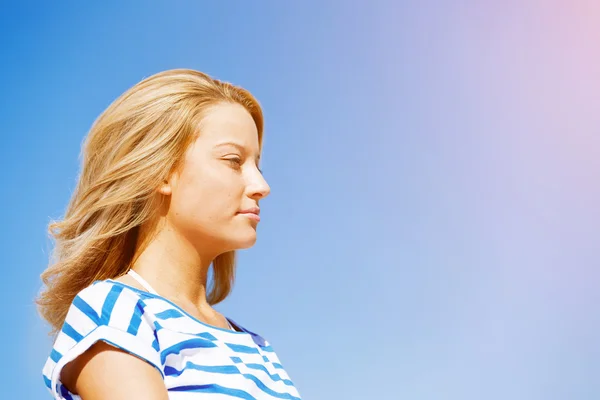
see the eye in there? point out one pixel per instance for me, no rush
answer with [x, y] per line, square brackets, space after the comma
[235, 162]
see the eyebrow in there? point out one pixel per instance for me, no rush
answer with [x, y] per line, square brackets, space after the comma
[237, 146]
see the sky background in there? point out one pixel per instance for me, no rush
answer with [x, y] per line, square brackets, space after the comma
[434, 223]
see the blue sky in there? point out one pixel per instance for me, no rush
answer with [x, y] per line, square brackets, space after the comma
[432, 231]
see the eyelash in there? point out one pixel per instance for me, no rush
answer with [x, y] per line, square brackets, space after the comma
[237, 163]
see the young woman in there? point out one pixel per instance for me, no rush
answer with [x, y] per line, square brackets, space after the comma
[170, 186]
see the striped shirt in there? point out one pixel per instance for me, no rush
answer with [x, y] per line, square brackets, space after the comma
[196, 360]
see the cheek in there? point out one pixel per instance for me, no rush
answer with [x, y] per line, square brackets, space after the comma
[204, 198]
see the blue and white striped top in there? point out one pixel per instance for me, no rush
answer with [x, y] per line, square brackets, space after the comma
[196, 360]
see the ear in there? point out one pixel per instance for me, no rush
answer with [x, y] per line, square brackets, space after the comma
[165, 188]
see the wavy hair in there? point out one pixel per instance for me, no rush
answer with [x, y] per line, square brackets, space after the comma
[135, 144]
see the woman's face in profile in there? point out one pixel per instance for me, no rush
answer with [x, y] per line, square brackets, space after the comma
[215, 194]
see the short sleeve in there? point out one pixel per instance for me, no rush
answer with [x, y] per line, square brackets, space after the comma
[105, 311]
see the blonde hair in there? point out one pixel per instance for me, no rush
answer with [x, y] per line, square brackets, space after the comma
[135, 144]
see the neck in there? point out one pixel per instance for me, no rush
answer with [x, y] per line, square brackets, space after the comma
[173, 266]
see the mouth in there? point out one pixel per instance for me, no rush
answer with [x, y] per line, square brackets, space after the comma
[252, 213]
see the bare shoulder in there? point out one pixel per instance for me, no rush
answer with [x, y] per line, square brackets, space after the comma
[104, 372]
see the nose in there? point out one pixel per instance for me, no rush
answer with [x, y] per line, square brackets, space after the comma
[258, 188]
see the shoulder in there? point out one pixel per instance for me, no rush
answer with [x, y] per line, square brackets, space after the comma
[109, 311]
[109, 290]
[105, 311]
[104, 304]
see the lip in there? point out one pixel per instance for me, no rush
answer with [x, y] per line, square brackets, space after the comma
[252, 213]
[253, 210]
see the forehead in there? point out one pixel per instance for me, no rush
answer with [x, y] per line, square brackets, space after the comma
[225, 123]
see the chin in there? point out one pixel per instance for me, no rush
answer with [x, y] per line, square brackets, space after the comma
[244, 242]
[248, 243]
